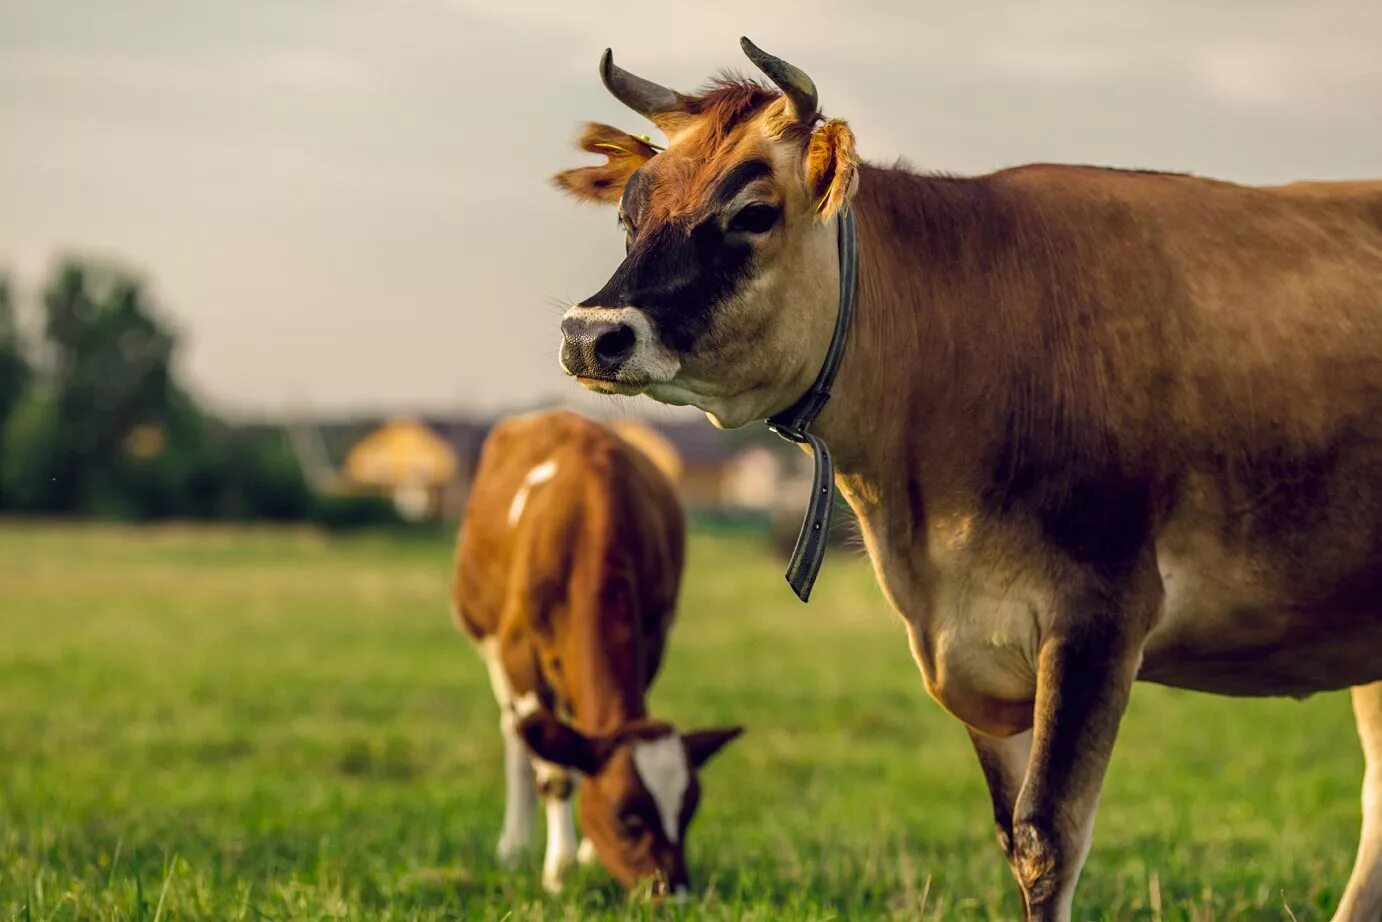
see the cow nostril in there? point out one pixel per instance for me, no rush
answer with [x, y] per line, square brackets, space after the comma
[616, 344]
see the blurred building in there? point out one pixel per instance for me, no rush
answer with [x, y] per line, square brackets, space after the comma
[424, 466]
[753, 478]
[705, 459]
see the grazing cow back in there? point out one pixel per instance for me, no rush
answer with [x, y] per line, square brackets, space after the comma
[569, 531]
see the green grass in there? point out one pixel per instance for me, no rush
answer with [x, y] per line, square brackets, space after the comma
[255, 724]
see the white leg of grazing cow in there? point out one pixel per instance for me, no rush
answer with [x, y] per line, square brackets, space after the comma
[520, 791]
[1362, 898]
[520, 794]
[586, 853]
[556, 785]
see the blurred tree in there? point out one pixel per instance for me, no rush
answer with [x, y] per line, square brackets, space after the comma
[14, 366]
[105, 429]
[15, 371]
[30, 446]
[110, 374]
[255, 475]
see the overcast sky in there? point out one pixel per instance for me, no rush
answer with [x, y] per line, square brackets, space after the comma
[343, 203]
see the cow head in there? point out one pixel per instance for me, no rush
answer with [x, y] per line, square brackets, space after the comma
[727, 296]
[640, 790]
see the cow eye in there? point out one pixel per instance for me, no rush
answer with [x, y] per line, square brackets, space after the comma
[631, 825]
[757, 218]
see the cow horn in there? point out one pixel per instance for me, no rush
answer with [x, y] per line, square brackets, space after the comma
[642, 96]
[799, 89]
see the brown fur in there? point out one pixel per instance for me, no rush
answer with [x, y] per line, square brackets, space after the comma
[1105, 366]
[1108, 368]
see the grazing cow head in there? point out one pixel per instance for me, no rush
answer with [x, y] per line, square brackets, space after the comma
[727, 296]
[640, 792]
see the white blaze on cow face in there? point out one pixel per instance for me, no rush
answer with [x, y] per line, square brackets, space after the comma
[538, 475]
[666, 773]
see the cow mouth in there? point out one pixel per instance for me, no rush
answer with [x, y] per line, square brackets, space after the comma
[601, 384]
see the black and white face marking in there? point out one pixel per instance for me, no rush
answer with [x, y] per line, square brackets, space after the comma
[661, 301]
[663, 767]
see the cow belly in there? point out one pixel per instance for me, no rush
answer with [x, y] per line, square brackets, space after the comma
[1222, 631]
[975, 633]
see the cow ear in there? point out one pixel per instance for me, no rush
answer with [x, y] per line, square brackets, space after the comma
[702, 744]
[832, 168]
[623, 155]
[558, 742]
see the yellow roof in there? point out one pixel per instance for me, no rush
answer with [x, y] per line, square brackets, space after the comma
[402, 452]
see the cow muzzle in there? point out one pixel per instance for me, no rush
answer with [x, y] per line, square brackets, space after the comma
[614, 350]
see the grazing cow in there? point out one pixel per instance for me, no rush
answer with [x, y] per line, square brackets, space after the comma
[566, 577]
[1097, 425]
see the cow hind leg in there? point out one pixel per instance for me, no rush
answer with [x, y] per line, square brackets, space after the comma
[520, 791]
[556, 785]
[1362, 898]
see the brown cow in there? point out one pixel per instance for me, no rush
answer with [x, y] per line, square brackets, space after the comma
[1098, 425]
[566, 577]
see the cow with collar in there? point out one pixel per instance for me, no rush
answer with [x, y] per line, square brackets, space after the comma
[568, 566]
[1097, 425]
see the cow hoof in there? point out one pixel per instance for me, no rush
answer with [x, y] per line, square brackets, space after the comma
[1034, 864]
[586, 853]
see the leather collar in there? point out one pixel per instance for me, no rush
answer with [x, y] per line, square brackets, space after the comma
[794, 424]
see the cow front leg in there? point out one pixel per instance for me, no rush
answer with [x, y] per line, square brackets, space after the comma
[1085, 671]
[520, 792]
[1362, 898]
[556, 785]
[1004, 762]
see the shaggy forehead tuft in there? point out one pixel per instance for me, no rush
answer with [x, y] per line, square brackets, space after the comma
[693, 176]
[729, 100]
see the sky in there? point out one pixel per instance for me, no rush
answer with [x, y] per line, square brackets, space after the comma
[344, 206]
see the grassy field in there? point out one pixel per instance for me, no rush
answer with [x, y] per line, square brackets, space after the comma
[247, 724]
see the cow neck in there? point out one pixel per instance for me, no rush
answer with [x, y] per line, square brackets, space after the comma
[606, 707]
[607, 688]
[794, 423]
